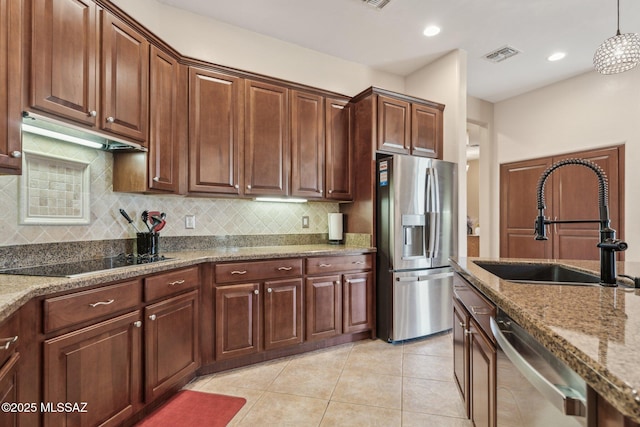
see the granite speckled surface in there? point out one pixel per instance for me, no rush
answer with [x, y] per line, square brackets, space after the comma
[16, 290]
[594, 329]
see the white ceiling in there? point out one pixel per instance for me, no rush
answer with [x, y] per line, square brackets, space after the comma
[391, 39]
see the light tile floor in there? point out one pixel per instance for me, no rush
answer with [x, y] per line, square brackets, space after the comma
[368, 383]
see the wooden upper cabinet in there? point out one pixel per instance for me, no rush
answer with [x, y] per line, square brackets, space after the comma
[125, 79]
[64, 59]
[307, 145]
[10, 76]
[394, 130]
[215, 132]
[266, 140]
[339, 151]
[164, 121]
[426, 131]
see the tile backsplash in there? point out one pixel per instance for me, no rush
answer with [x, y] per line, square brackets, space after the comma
[213, 216]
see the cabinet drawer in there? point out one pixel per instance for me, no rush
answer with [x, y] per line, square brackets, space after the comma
[170, 283]
[332, 264]
[257, 270]
[78, 307]
[477, 305]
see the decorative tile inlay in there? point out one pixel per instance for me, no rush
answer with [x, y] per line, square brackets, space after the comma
[53, 190]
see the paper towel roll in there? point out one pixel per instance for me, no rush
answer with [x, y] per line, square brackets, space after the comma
[335, 227]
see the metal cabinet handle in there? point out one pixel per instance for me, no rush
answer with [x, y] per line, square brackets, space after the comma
[462, 325]
[16, 154]
[110, 119]
[95, 304]
[5, 343]
[469, 332]
[239, 272]
[177, 282]
[269, 290]
[137, 324]
[358, 262]
[324, 265]
[479, 311]
[92, 113]
[256, 291]
[285, 268]
[152, 317]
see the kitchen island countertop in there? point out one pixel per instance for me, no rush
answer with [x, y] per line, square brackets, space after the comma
[594, 329]
[16, 290]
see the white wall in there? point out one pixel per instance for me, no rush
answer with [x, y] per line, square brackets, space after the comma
[584, 112]
[220, 43]
[445, 81]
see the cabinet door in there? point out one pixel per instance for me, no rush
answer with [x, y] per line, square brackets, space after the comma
[323, 297]
[461, 352]
[357, 298]
[63, 67]
[164, 133]
[215, 132]
[282, 313]
[237, 320]
[9, 390]
[125, 79]
[100, 365]
[266, 141]
[339, 154]
[307, 145]
[171, 342]
[519, 208]
[10, 75]
[426, 131]
[394, 129]
[575, 197]
[482, 356]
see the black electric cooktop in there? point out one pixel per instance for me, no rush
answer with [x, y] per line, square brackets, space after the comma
[71, 269]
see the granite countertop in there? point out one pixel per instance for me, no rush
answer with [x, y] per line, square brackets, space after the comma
[594, 329]
[17, 290]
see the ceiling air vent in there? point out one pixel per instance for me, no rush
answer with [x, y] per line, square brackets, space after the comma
[378, 4]
[501, 54]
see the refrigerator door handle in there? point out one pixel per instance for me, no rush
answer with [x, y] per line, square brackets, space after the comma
[437, 213]
[424, 278]
[432, 210]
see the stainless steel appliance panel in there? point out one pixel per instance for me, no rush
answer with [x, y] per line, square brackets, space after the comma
[422, 303]
[534, 388]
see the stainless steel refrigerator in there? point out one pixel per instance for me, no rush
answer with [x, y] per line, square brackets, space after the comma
[416, 234]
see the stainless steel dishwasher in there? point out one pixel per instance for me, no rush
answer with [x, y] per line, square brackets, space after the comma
[534, 387]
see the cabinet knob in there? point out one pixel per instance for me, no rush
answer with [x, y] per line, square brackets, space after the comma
[137, 324]
[256, 292]
[236, 186]
[16, 154]
[92, 113]
[330, 191]
[110, 119]
[156, 178]
[269, 290]
[152, 317]
[248, 187]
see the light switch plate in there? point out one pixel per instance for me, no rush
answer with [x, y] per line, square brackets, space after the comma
[190, 221]
[305, 222]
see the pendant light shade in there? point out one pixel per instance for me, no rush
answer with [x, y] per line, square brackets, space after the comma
[619, 53]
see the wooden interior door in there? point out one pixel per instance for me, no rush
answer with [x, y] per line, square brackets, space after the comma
[575, 191]
[518, 209]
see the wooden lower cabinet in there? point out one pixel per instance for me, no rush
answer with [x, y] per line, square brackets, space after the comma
[171, 342]
[323, 307]
[99, 365]
[9, 390]
[482, 377]
[461, 352]
[357, 300]
[282, 313]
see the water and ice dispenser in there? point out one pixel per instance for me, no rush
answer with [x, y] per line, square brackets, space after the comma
[413, 236]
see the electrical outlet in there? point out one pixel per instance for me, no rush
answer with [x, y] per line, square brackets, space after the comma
[190, 221]
[305, 222]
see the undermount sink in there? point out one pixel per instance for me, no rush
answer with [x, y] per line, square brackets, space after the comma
[538, 273]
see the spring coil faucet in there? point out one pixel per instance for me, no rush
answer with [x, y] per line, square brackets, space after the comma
[608, 245]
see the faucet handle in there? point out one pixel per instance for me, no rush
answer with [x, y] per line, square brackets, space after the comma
[613, 245]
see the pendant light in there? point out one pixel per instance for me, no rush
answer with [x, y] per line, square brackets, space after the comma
[619, 53]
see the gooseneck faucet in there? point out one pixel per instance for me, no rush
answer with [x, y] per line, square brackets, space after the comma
[608, 245]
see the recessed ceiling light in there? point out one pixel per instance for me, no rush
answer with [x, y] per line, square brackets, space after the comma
[556, 56]
[431, 31]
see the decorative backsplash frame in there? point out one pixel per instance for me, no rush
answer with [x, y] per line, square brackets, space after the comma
[54, 190]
